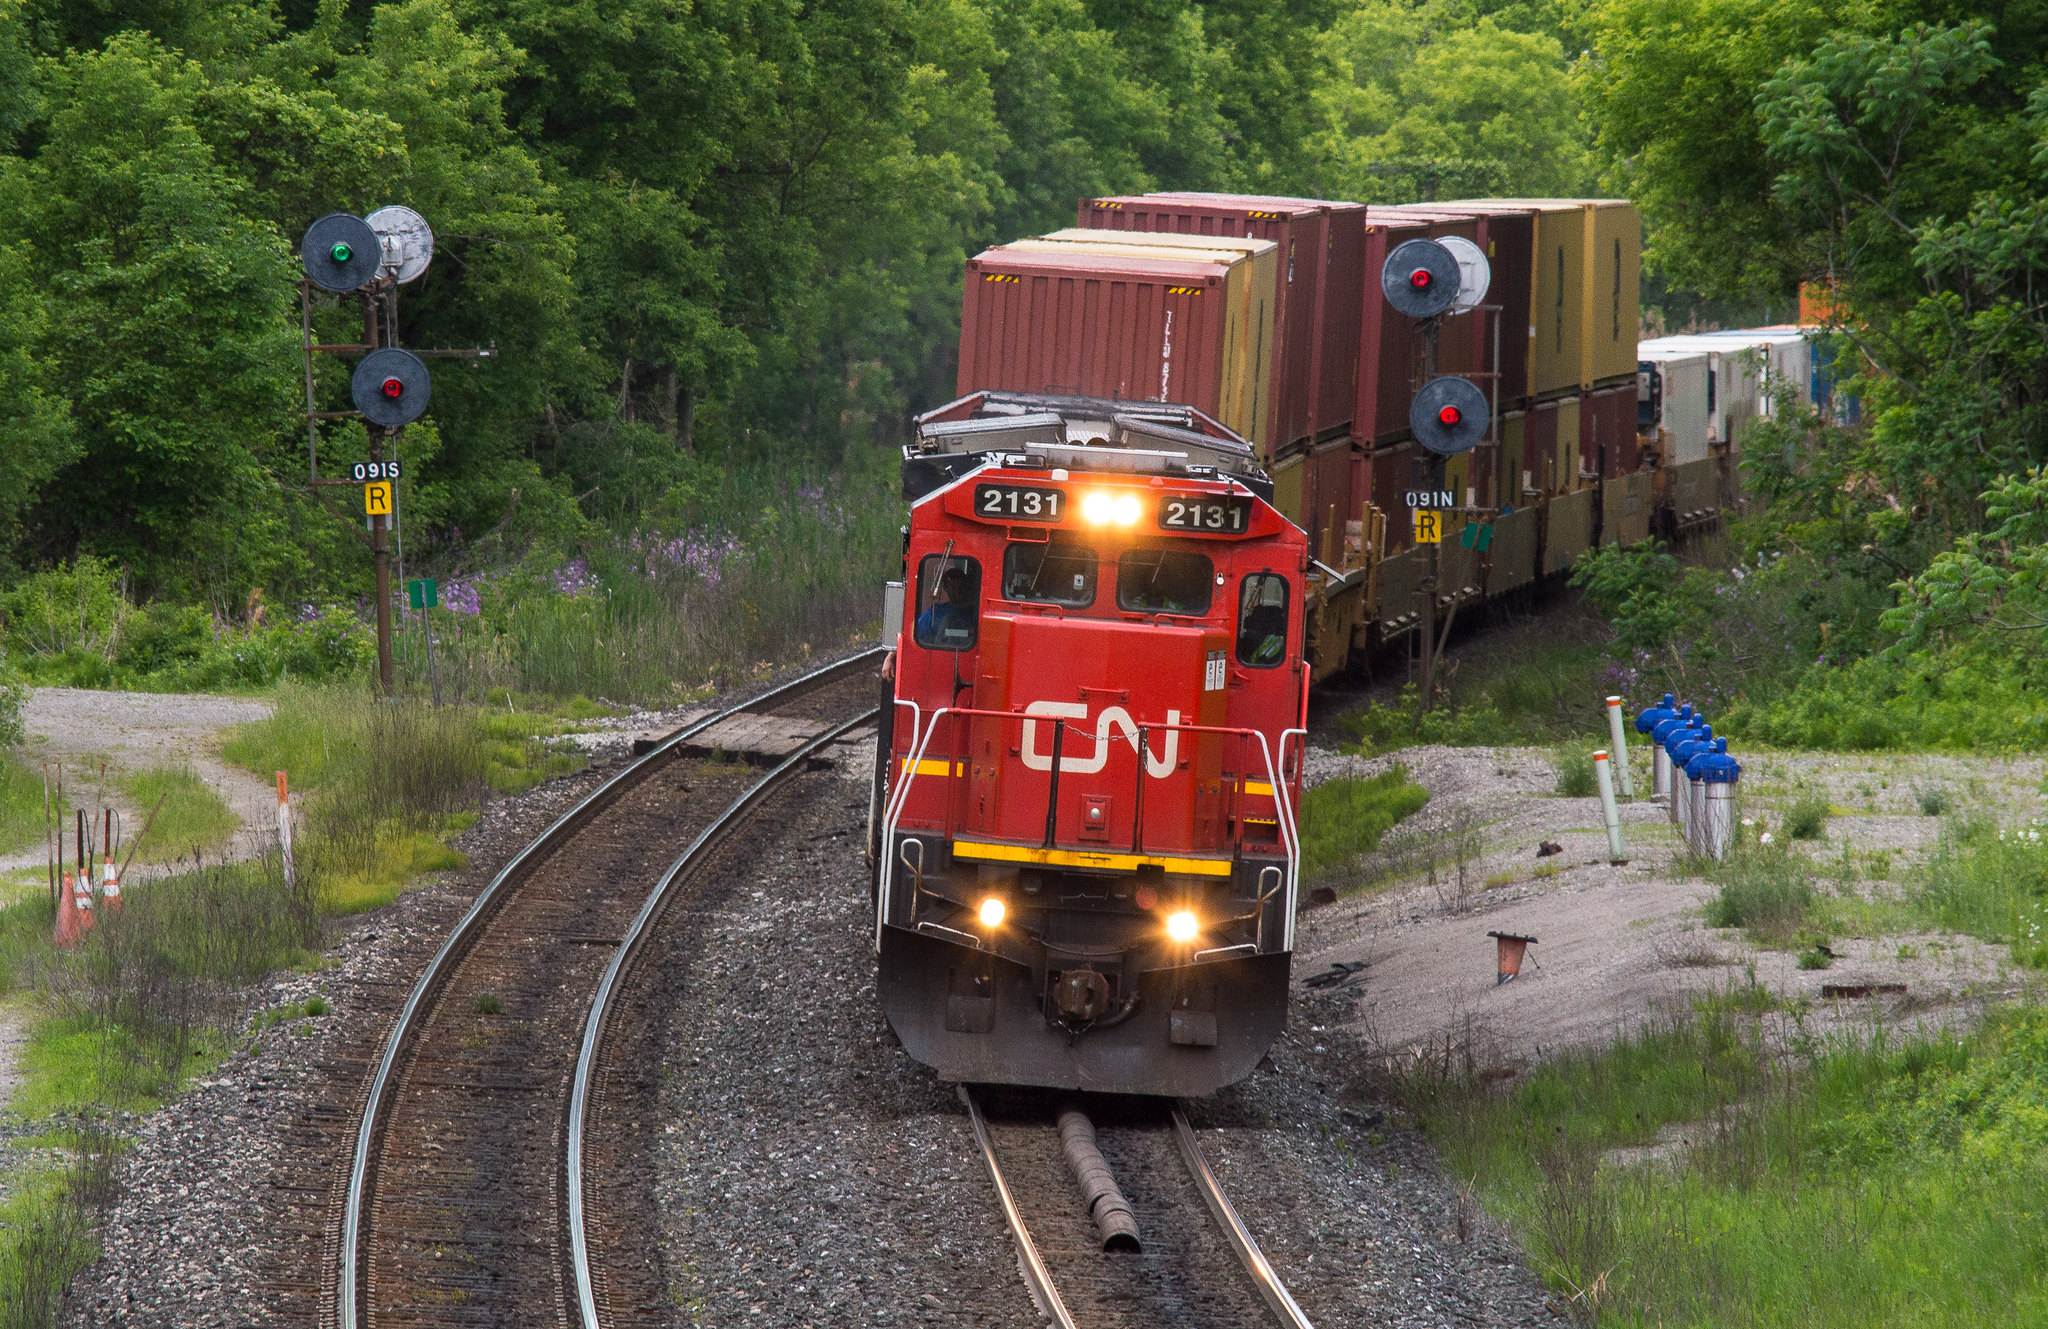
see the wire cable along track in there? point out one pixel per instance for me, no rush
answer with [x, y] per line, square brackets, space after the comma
[1136, 1294]
[458, 1165]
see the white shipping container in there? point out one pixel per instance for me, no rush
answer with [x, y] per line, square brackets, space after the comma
[1676, 382]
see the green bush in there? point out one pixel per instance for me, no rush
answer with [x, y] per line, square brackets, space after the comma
[1341, 819]
[1376, 728]
[1807, 818]
[1576, 777]
[1766, 890]
[1637, 587]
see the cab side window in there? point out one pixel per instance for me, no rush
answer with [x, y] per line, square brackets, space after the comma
[948, 602]
[1262, 621]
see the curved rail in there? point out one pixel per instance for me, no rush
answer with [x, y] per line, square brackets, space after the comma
[600, 1006]
[1036, 1277]
[463, 934]
[1255, 1263]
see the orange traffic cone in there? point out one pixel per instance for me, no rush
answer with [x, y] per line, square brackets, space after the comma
[74, 910]
[110, 887]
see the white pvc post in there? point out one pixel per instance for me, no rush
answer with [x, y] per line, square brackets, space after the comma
[284, 833]
[1609, 810]
[1681, 801]
[1700, 831]
[1660, 772]
[1617, 736]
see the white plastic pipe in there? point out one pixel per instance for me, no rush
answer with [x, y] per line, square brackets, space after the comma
[1660, 772]
[1617, 743]
[1681, 802]
[1698, 818]
[1609, 810]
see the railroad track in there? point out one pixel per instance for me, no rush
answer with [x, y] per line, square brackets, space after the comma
[1200, 1264]
[474, 1190]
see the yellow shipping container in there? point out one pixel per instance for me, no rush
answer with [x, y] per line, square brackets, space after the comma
[1585, 290]
[1254, 331]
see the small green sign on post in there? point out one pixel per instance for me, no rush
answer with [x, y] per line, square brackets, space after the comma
[423, 593]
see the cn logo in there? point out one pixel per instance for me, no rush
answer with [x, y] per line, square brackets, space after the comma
[1115, 717]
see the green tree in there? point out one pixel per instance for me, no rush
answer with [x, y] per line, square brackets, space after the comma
[1426, 104]
[174, 349]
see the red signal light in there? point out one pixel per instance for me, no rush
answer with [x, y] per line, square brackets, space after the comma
[393, 388]
[1450, 415]
[1419, 278]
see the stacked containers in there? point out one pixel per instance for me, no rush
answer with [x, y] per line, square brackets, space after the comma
[1586, 297]
[1100, 325]
[1321, 260]
[1250, 291]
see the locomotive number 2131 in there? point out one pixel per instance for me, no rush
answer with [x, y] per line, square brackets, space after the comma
[1018, 502]
[1229, 516]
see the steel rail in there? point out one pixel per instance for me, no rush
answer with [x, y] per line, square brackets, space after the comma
[463, 935]
[1036, 1278]
[1255, 1263]
[627, 951]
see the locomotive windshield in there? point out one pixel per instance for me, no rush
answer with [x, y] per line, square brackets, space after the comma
[1164, 581]
[1262, 621]
[1052, 572]
[948, 602]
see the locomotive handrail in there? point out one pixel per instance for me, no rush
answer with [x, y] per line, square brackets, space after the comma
[914, 765]
[1287, 801]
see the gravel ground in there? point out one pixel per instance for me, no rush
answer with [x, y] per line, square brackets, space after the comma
[1617, 943]
[201, 1231]
[850, 1191]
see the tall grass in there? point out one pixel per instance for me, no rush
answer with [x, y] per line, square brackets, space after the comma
[1990, 881]
[1341, 819]
[768, 568]
[191, 819]
[384, 781]
[1871, 1180]
[1765, 889]
[21, 803]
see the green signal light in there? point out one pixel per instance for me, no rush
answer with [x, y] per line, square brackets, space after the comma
[341, 253]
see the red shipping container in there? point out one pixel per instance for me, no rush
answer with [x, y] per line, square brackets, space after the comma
[1094, 325]
[1337, 319]
[1314, 339]
[1391, 362]
[1607, 430]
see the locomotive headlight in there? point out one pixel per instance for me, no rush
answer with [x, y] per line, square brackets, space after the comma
[992, 911]
[1126, 509]
[1097, 508]
[1182, 925]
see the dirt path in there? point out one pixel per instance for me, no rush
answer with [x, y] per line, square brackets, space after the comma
[135, 731]
[1616, 944]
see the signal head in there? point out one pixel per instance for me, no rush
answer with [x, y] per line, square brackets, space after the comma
[340, 252]
[390, 387]
[1449, 415]
[1420, 278]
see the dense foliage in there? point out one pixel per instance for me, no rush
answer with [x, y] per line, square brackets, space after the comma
[696, 234]
[1891, 158]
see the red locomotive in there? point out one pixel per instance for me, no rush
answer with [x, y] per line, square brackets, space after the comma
[1084, 825]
